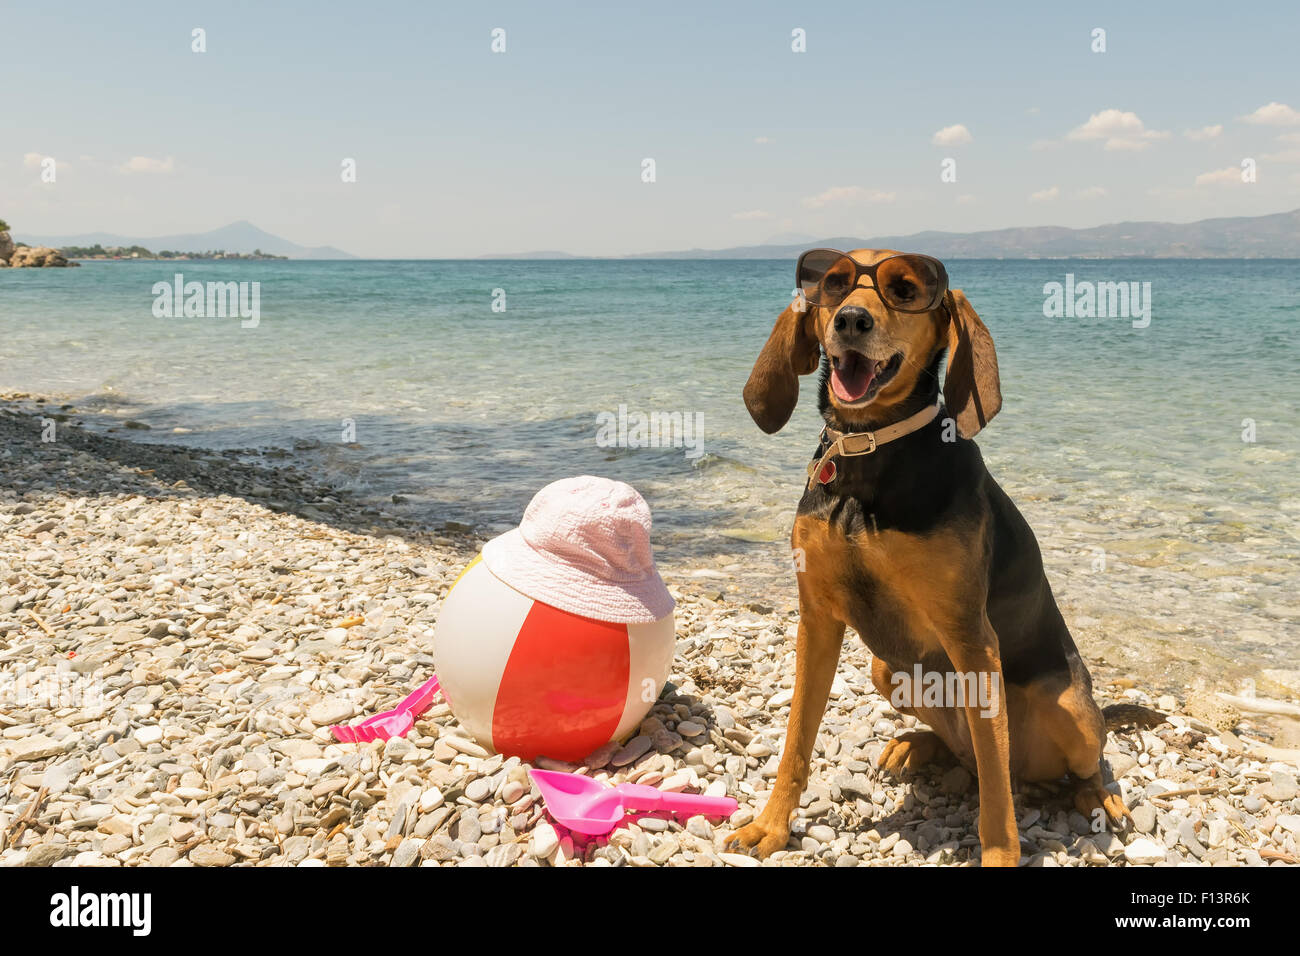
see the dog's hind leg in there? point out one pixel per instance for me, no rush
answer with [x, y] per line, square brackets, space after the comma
[1062, 711]
[912, 749]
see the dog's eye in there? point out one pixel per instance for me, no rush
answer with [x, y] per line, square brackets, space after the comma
[836, 283]
[903, 290]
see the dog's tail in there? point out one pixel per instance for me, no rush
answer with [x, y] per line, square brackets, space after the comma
[1121, 715]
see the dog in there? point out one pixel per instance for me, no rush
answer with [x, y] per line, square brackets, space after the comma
[907, 538]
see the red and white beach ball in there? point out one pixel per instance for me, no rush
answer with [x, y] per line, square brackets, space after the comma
[527, 679]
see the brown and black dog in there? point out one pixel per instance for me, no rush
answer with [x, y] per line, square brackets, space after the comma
[918, 549]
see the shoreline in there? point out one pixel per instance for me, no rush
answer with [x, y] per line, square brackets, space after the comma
[178, 613]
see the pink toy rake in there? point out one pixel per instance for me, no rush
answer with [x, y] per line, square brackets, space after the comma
[391, 723]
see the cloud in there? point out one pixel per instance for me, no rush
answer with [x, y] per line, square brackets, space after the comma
[37, 161]
[1274, 114]
[1045, 195]
[952, 136]
[966, 199]
[1220, 176]
[847, 195]
[1119, 129]
[1041, 144]
[762, 139]
[751, 214]
[1205, 132]
[146, 164]
[1286, 156]
[1092, 192]
[1289, 138]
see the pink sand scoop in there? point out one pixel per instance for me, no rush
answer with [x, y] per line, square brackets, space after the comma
[391, 723]
[589, 806]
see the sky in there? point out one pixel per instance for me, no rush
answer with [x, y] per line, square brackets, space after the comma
[462, 151]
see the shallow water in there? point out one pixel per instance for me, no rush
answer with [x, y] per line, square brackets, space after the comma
[1171, 542]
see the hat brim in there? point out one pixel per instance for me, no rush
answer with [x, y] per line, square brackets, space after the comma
[542, 578]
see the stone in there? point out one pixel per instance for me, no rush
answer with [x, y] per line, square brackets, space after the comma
[664, 849]
[36, 747]
[463, 746]
[505, 854]
[544, 841]
[205, 854]
[512, 791]
[821, 833]
[1143, 851]
[1281, 787]
[699, 826]
[331, 710]
[956, 781]
[1144, 818]
[406, 854]
[441, 848]
[46, 854]
[467, 829]
[59, 777]
[1289, 822]
[164, 856]
[630, 751]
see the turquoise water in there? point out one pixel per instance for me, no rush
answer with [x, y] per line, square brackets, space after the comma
[1166, 535]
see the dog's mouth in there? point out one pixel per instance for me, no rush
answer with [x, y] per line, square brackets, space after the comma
[856, 378]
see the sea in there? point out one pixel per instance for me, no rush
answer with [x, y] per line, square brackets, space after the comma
[1154, 452]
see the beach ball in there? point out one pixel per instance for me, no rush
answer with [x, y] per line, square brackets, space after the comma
[559, 636]
[528, 679]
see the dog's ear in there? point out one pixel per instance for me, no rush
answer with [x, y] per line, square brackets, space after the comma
[971, 390]
[791, 350]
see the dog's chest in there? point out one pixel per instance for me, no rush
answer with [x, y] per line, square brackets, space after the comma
[898, 591]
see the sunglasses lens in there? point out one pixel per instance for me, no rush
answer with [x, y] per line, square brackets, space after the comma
[910, 283]
[825, 276]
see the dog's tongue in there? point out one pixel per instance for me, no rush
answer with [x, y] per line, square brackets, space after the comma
[851, 376]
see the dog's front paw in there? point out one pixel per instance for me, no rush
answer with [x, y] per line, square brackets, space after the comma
[762, 837]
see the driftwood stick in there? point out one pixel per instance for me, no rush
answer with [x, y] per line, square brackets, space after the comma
[37, 618]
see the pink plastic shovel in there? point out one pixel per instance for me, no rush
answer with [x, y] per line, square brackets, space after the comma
[589, 806]
[391, 723]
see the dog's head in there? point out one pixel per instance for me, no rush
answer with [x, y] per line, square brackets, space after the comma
[877, 352]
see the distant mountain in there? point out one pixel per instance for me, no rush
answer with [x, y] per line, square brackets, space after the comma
[1275, 236]
[544, 254]
[787, 238]
[240, 236]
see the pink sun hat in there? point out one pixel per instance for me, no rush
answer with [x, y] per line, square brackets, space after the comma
[584, 547]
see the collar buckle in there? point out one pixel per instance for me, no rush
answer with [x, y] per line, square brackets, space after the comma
[852, 444]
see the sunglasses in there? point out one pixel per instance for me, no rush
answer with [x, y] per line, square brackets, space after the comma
[906, 282]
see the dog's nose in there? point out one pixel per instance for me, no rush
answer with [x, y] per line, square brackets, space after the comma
[853, 318]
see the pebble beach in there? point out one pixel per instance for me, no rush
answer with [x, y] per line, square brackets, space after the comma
[179, 627]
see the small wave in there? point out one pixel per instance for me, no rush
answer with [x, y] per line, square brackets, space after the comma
[709, 461]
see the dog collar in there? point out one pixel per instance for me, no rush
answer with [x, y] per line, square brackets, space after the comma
[851, 444]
